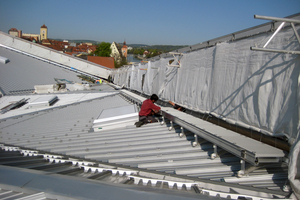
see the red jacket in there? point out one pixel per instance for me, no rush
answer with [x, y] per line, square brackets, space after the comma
[147, 108]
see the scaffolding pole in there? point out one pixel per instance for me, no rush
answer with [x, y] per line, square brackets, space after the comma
[283, 20]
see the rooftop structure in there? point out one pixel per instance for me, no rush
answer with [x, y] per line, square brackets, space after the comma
[82, 136]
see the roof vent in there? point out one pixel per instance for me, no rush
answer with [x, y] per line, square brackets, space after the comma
[43, 102]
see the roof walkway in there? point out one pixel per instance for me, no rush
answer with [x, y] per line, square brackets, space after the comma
[247, 149]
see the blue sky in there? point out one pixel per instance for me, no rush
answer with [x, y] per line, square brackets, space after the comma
[162, 22]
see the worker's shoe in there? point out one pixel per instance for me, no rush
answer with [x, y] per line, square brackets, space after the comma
[139, 123]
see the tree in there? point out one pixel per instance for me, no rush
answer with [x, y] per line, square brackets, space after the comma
[103, 49]
[122, 63]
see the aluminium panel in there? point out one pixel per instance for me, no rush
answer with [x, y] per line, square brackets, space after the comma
[117, 111]
[116, 118]
[43, 101]
[4, 60]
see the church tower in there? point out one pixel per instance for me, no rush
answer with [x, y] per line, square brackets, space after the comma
[124, 50]
[43, 32]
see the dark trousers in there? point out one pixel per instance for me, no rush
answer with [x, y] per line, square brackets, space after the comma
[147, 119]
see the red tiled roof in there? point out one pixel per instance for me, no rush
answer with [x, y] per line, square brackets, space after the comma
[44, 26]
[69, 53]
[57, 48]
[13, 29]
[104, 61]
[30, 38]
[46, 41]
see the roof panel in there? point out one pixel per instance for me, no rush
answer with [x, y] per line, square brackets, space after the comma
[23, 73]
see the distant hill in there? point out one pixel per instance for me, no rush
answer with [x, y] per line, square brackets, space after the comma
[164, 48]
[78, 41]
[138, 45]
[85, 41]
[167, 48]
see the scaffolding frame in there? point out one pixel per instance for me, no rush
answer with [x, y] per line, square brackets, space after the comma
[283, 20]
[175, 58]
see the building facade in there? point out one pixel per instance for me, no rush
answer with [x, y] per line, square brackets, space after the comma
[124, 50]
[30, 36]
[115, 52]
[13, 32]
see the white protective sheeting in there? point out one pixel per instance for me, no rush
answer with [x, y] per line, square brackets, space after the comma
[40, 51]
[136, 72]
[253, 88]
[294, 170]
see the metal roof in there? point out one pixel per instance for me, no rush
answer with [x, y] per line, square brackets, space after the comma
[154, 156]
[22, 73]
[38, 179]
[246, 148]
[66, 130]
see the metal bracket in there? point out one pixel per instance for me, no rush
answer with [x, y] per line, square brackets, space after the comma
[175, 59]
[172, 126]
[242, 171]
[163, 121]
[283, 20]
[215, 154]
[181, 134]
[195, 143]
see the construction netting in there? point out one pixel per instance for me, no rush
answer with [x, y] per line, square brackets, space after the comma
[255, 89]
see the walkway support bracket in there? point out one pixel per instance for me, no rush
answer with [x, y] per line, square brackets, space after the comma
[195, 143]
[215, 154]
[221, 138]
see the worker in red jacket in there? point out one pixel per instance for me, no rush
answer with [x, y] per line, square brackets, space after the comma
[148, 109]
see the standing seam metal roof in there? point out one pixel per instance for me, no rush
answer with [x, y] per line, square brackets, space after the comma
[67, 131]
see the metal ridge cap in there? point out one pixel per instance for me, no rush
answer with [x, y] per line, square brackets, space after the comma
[91, 187]
[207, 183]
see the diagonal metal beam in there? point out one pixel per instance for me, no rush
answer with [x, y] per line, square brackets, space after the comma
[283, 20]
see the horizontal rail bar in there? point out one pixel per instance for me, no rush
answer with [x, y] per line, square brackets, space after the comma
[274, 50]
[277, 19]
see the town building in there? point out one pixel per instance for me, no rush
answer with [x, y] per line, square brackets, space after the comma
[36, 38]
[104, 61]
[80, 50]
[13, 32]
[124, 50]
[115, 52]
[43, 32]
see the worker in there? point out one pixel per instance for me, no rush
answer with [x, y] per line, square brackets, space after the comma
[148, 109]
